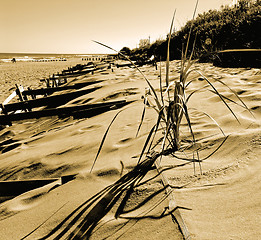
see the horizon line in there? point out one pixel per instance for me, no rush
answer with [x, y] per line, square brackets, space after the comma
[54, 53]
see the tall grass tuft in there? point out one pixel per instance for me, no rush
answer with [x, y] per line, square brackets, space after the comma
[171, 106]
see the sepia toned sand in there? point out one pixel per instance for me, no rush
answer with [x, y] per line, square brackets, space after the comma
[223, 202]
[28, 74]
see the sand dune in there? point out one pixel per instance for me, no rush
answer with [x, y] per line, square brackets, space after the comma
[221, 203]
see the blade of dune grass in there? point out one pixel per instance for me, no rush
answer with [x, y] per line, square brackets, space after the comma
[220, 96]
[147, 142]
[213, 152]
[148, 82]
[169, 38]
[186, 114]
[190, 30]
[195, 91]
[215, 122]
[234, 92]
[152, 144]
[104, 137]
[168, 127]
[193, 48]
[205, 158]
[168, 88]
[152, 131]
[230, 100]
[161, 89]
[142, 115]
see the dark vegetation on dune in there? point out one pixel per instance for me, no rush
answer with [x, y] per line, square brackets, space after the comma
[236, 27]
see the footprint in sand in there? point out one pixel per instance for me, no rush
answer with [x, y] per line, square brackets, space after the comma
[6, 135]
[107, 172]
[89, 128]
[123, 143]
[66, 151]
[37, 134]
[9, 147]
[241, 92]
[85, 129]
[126, 92]
[256, 109]
[60, 127]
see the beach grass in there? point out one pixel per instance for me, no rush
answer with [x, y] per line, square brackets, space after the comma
[171, 105]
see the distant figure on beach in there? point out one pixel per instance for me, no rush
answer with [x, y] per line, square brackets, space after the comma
[13, 60]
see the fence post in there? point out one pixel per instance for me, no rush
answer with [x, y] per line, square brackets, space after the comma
[3, 109]
[18, 92]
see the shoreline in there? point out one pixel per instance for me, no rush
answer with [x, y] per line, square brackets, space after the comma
[28, 74]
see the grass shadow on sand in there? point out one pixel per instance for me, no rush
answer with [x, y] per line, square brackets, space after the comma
[86, 218]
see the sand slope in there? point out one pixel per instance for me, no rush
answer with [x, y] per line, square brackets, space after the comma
[224, 201]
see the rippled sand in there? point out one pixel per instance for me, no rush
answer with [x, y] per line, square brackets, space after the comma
[221, 203]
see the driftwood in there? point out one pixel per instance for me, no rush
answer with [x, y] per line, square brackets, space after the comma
[14, 111]
[49, 91]
[75, 73]
[13, 188]
[81, 111]
[56, 79]
[81, 69]
[50, 101]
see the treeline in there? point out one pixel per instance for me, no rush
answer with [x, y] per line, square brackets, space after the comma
[229, 28]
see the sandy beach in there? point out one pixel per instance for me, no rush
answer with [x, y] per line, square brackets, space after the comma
[222, 202]
[28, 74]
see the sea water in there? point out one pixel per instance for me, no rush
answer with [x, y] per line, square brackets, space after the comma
[34, 57]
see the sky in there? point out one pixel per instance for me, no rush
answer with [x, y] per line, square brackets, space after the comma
[69, 26]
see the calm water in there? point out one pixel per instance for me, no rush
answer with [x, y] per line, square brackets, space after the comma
[6, 57]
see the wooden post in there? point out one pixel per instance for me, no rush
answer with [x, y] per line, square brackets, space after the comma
[21, 98]
[25, 97]
[3, 109]
[47, 82]
[10, 98]
[32, 95]
[18, 92]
